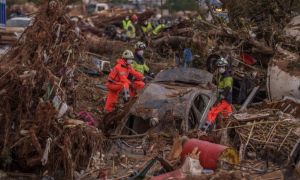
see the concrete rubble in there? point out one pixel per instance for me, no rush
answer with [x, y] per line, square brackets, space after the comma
[52, 91]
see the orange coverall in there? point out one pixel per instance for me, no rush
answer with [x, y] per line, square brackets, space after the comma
[118, 80]
[222, 107]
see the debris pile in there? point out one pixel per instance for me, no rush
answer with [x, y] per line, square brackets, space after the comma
[37, 90]
[52, 91]
[286, 105]
[267, 132]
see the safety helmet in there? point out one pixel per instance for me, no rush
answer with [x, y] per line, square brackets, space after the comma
[140, 45]
[158, 16]
[222, 62]
[75, 19]
[127, 54]
[134, 18]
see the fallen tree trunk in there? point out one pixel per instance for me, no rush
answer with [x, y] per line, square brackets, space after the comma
[260, 47]
[105, 46]
[171, 40]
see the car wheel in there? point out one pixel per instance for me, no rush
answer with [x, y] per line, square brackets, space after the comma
[195, 113]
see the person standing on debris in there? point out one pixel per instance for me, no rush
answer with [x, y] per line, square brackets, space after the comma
[158, 28]
[187, 57]
[184, 58]
[128, 26]
[225, 84]
[147, 28]
[118, 81]
[139, 63]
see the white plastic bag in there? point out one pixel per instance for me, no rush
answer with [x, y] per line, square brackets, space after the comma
[63, 109]
[191, 167]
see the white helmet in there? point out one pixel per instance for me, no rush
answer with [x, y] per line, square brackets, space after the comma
[222, 62]
[127, 54]
[140, 45]
[158, 16]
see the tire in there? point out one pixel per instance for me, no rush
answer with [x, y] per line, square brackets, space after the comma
[211, 62]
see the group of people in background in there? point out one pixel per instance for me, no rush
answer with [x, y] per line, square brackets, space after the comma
[150, 27]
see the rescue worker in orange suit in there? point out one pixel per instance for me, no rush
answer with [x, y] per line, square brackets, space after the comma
[118, 81]
[225, 84]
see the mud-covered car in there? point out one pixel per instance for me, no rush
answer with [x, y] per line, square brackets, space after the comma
[177, 98]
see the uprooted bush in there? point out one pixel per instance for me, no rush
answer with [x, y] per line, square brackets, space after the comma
[36, 79]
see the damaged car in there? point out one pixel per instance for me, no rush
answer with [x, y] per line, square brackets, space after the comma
[177, 98]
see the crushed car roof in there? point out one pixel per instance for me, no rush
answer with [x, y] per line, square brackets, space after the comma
[184, 75]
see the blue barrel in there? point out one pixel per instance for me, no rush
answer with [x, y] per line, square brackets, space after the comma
[2, 13]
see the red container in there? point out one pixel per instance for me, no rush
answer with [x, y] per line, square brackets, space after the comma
[210, 152]
[248, 59]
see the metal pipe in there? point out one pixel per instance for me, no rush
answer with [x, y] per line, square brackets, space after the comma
[250, 98]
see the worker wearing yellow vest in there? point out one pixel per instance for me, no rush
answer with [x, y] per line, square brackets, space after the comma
[128, 26]
[158, 28]
[147, 27]
[225, 85]
[139, 63]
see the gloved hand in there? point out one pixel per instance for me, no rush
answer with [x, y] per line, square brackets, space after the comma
[152, 75]
[223, 93]
[220, 91]
[126, 95]
[131, 77]
[222, 96]
[154, 122]
[206, 126]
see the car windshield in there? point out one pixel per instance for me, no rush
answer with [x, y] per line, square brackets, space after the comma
[101, 8]
[91, 8]
[18, 23]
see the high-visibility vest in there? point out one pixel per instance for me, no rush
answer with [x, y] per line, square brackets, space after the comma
[158, 29]
[225, 82]
[130, 31]
[142, 68]
[126, 24]
[129, 28]
[147, 28]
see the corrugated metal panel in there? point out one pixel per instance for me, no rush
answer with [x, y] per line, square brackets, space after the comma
[2, 13]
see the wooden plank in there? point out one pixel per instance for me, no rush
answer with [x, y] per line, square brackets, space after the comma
[8, 38]
[250, 117]
[12, 30]
[6, 42]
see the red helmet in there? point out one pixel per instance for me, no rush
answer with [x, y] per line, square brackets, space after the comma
[134, 18]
